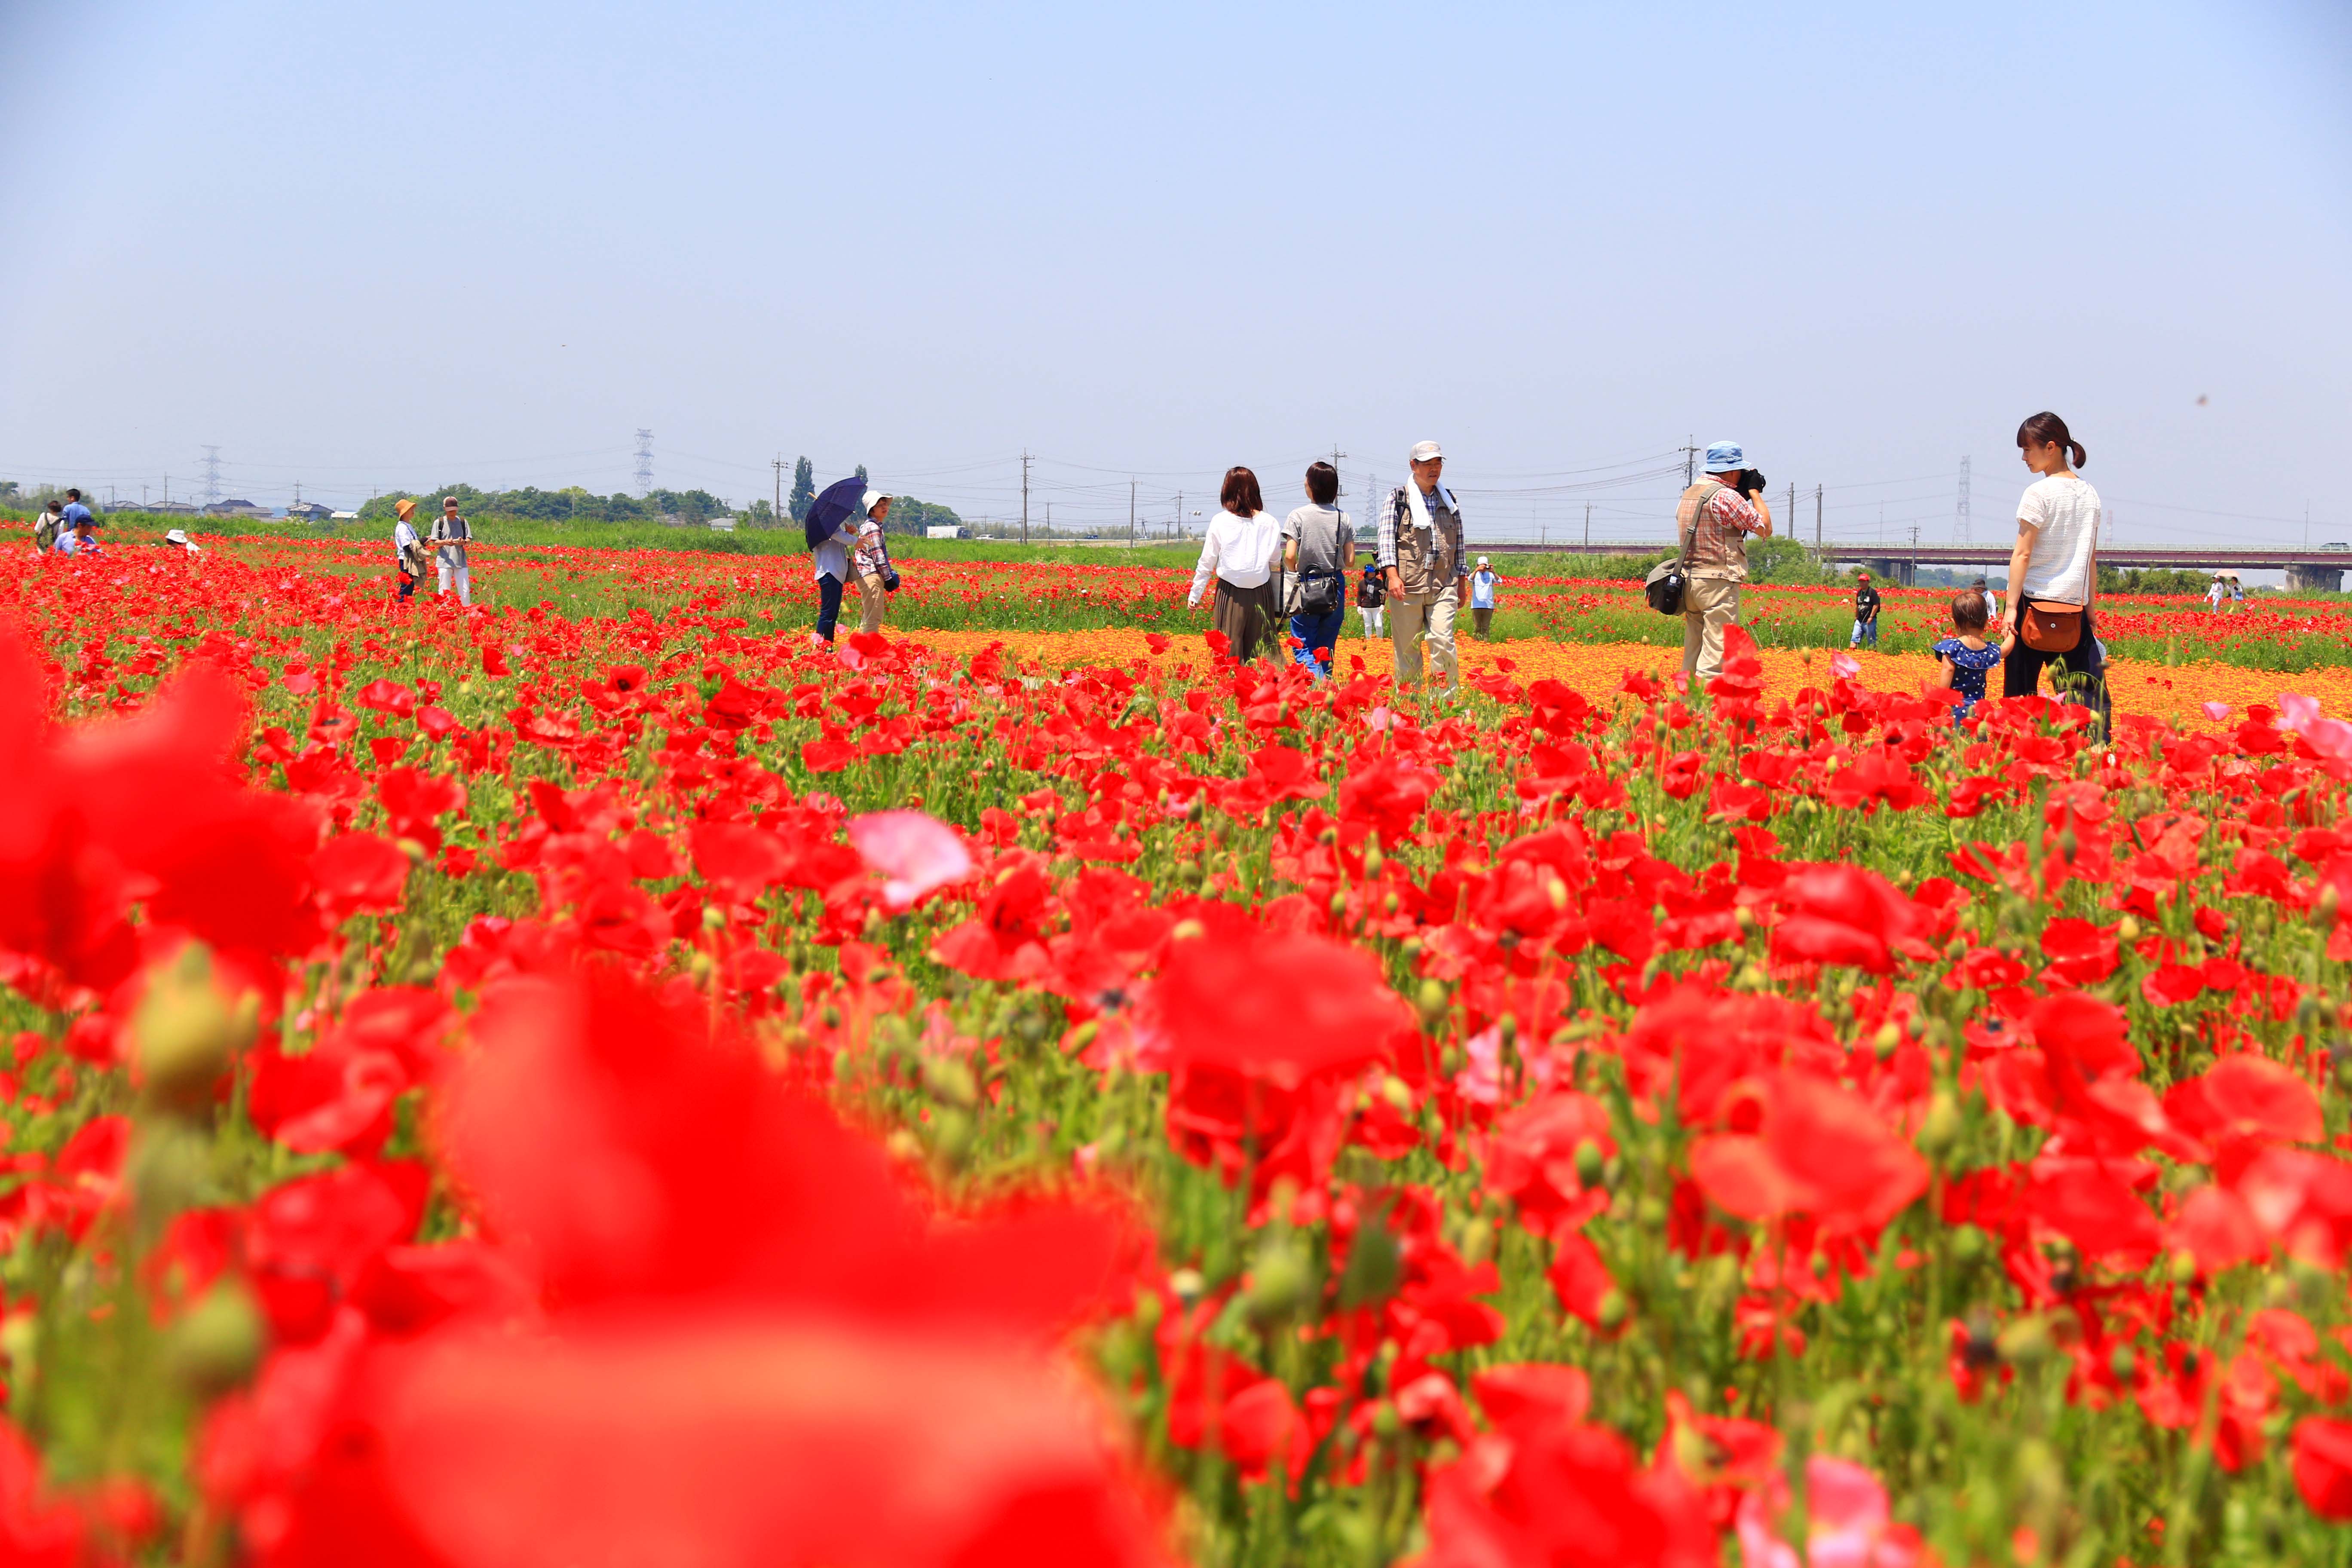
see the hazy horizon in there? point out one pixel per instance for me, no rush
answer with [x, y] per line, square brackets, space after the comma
[488, 244]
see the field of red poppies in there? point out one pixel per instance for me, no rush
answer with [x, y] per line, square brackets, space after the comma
[597, 1082]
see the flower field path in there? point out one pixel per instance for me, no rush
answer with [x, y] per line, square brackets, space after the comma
[2175, 693]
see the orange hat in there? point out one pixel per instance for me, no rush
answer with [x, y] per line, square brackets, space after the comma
[403, 508]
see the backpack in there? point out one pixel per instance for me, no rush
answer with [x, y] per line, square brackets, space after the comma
[46, 529]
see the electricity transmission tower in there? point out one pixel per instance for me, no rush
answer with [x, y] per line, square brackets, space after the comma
[644, 462]
[1962, 520]
[212, 475]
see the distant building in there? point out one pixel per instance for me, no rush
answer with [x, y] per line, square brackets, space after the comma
[342, 517]
[723, 523]
[309, 511]
[234, 507]
[950, 531]
[169, 509]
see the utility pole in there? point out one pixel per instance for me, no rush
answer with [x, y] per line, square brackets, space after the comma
[778, 466]
[1588, 526]
[1790, 524]
[1025, 496]
[1690, 462]
[1130, 512]
[1965, 536]
[1817, 519]
[1180, 514]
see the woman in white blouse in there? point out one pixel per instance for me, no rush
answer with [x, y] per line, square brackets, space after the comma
[2054, 572]
[1239, 554]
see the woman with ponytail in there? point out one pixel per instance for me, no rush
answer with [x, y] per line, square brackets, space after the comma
[2053, 571]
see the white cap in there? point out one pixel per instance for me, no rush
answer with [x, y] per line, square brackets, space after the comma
[873, 498]
[1482, 560]
[1425, 451]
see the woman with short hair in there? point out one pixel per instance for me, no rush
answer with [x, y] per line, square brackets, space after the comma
[1238, 555]
[1318, 546]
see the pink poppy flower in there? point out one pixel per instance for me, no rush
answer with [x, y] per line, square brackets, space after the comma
[1847, 1521]
[915, 852]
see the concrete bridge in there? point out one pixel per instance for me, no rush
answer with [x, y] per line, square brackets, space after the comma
[2320, 568]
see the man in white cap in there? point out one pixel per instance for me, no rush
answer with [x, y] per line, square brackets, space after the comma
[1420, 555]
[451, 535]
[1482, 598]
[178, 538]
[1712, 524]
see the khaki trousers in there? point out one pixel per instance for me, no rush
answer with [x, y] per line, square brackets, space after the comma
[872, 600]
[1709, 605]
[1411, 616]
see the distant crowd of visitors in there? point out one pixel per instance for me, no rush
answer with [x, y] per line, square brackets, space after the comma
[1272, 586]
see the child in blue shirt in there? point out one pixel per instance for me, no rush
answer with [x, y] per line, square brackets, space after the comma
[1963, 660]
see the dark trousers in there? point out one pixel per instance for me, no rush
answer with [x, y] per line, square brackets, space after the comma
[1318, 632]
[2021, 670]
[828, 605]
[407, 585]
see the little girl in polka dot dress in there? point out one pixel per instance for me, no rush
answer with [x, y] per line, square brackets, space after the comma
[1964, 659]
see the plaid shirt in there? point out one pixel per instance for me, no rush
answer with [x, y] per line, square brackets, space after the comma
[1397, 516]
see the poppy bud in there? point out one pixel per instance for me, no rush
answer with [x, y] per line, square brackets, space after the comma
[2323, 908]
[1282, 1276]
[218, 1344]
[1149, 1308]
[714, 919]
[185, 1033]
[1408, 949]
[952, 1134]
[1386, 1422]
[1188, 931]
[20, 1341]
[2127, 930]
[1373, 861]
[2122, 1364]
[1477, 1241]
[1590, 1169]
[1557, 892]
[952, 1079]
[1431, 1000]
[2026, 1341]
[1745, 919]
[1883, 1043]
[2041, 1481]
[1375, 1265]
[2184, 1267]
[1613, 1312]
[2068, 845]
[1338, 905]
[1941, 1126]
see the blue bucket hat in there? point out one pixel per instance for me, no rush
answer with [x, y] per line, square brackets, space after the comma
[1726, 456]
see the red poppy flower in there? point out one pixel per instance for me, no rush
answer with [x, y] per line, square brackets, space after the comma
[1820, 1151]
[1282, 1005]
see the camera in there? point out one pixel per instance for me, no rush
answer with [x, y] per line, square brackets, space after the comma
[1751, 481]
[890, 582]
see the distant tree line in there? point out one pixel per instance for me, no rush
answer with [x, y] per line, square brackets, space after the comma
[692, 508]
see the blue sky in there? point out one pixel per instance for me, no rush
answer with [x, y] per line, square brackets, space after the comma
[363, 246]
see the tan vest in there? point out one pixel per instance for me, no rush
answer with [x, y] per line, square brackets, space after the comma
[1714, 550]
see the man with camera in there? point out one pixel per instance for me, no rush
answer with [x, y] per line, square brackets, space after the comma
[1714, 521]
